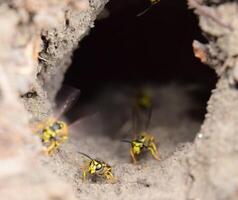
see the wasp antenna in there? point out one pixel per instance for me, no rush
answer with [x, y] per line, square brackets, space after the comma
[84, 154]
[143, 12]
[126, 141]
[152, 3]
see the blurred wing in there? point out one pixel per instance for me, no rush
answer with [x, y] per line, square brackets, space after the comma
[90, 116]
[135, 121]
[149, 114]
[73, 94]
[37, 127]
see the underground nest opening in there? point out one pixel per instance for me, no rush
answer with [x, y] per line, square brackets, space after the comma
[124, 53]
[120, 55]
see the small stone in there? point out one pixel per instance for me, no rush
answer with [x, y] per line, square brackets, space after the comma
[200, 135]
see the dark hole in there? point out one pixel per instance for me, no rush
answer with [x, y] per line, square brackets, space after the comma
[67, 22]
[154, 48]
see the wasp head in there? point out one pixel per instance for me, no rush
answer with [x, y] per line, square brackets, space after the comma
[137, 146]
[95, 166]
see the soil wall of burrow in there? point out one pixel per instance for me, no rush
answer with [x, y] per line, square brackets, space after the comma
[37, 41]
[215, 150]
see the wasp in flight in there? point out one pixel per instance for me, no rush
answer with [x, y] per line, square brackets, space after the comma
[98, 168]
[142, 142]
[53, 132]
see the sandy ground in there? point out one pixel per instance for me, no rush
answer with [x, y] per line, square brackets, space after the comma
[99, 135]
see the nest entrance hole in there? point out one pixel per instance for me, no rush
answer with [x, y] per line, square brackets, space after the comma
[125, 51]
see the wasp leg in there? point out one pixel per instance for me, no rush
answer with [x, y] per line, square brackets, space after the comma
[109, 176]
[112, 180]
[84, 169]
[153, 150]
[133, 157]
[51, 148]
[84, 175]
[62, 140]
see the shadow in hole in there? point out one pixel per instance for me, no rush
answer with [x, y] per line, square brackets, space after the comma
[130, 50]
[200, 97]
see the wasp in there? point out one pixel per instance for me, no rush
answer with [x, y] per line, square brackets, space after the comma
[145, 142]
[142, 142]
[97, 168]
[53, 132]
[152, 3]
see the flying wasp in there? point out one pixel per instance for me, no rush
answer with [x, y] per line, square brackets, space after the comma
[53, 132]
[152, 3]
[96, 168]
[142, 142]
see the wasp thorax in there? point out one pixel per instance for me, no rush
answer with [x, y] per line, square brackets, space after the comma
[56, 126]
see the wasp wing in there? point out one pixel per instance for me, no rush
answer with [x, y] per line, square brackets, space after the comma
[72, 97]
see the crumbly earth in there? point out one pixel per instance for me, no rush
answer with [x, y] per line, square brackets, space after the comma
[37, 41]
[173, 126]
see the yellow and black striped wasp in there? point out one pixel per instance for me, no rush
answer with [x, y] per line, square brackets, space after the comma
[53, 131]
[96, 167]
[143, 141]
[152, 3]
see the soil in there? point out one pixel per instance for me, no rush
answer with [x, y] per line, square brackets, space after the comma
[99, 136]
[198, 150]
